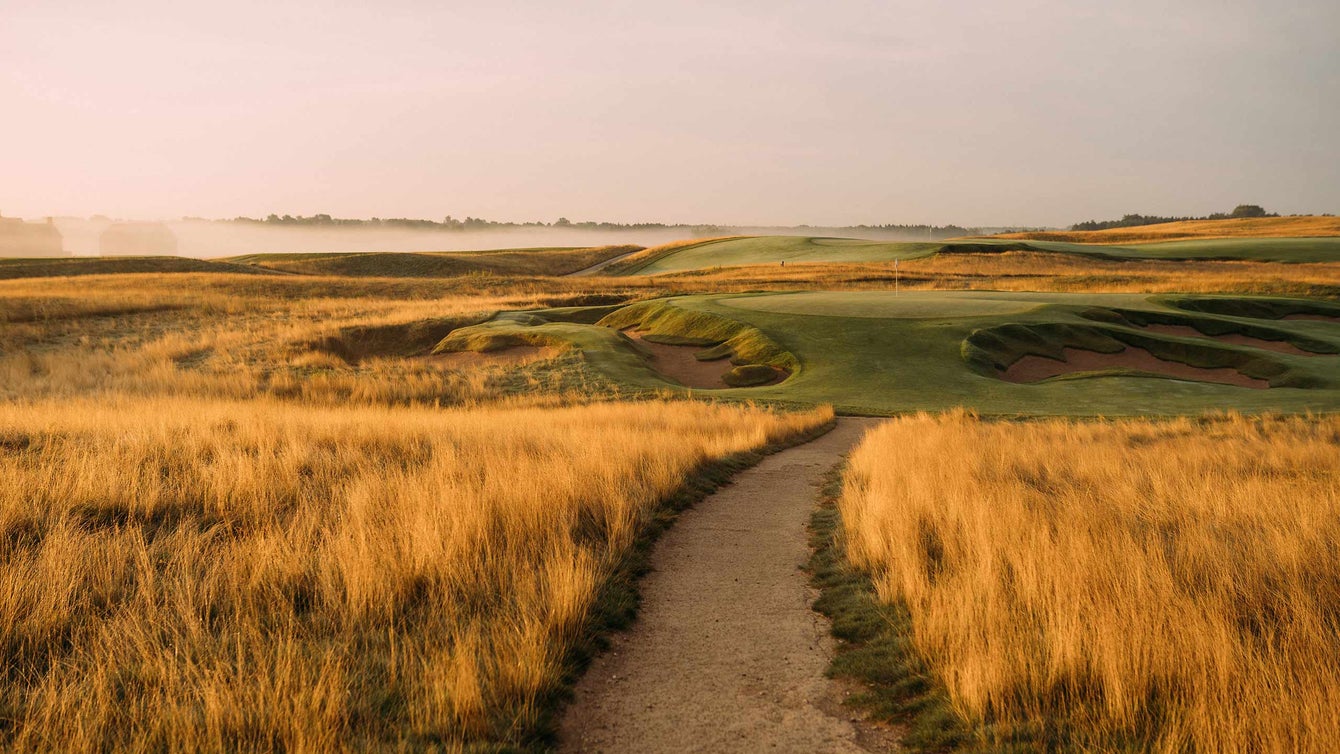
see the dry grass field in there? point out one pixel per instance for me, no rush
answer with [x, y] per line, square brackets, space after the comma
[193, 575]
[250, 512]
[1167, 586]
[236, 516]
[1242, 227]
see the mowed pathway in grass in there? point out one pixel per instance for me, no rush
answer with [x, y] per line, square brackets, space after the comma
[726, 654]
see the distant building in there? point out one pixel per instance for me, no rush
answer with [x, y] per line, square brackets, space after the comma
[20, 239]
[137, 239]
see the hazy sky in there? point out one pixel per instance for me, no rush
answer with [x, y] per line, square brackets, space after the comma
[731, 112]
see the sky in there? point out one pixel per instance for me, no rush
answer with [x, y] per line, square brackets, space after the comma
[1011, 112]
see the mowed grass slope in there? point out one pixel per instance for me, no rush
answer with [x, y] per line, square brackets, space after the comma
[778, 250]
[537, 261]
[1127, 586]
[878, 352]
[195, 575]
[68, 266]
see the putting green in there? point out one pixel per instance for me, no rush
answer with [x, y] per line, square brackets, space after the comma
[757, 250]
[879, 353]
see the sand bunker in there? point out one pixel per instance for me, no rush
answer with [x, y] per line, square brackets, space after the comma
[679, 363]
[1237, 339]
[504, 357]
[1035, 368]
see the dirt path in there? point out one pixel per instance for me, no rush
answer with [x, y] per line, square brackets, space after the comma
[726, 655]
[598, 266]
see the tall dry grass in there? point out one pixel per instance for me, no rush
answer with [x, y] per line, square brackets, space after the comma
[189, 575]
[1238, 227]
[1169, 586]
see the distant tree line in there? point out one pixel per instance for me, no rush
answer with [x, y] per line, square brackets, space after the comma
[1131, 221]
[452, 223]
[911, 231]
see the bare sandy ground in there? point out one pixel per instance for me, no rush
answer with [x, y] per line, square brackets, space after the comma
[1034, 368]
[726, 655]
[679, 363]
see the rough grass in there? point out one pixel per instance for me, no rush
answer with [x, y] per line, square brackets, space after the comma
[206, 576]
[1257, 227]
[1165, 586]
[539, 261]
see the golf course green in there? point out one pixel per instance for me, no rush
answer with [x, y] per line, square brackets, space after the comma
[878, 352]
[751, 250]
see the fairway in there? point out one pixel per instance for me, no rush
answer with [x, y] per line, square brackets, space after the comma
[776, 250]
[881, 353]
[882, 305]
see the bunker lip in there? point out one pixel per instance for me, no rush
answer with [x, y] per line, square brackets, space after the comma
[1036, 368]
[1313, 318]
[1237, 339]
[510, 356]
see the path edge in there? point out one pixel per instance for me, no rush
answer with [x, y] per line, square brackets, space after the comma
[893, 693]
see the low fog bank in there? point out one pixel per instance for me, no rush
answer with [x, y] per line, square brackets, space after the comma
[205, 239]
[209, 240]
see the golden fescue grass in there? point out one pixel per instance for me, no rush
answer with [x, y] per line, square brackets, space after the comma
[1259, 227]
[233, 336]
[1034, 271]
[1021, 271]
[1172, 586]
[188, 575]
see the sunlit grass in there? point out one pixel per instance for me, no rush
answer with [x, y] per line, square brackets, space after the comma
[201, 575]
[1172, 585]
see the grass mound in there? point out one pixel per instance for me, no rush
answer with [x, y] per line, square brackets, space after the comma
[1256, 308]
[1213, 327]
[433, 264]
[743, 343]
[751, 375]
